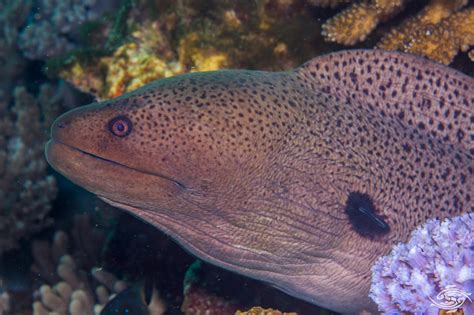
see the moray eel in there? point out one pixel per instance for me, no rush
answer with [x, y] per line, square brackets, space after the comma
[301, 179]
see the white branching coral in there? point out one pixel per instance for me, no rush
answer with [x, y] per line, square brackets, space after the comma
[75, 294]
[435, 265]
[69, 285]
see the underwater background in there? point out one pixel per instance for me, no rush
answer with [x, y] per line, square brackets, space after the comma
[63, 250]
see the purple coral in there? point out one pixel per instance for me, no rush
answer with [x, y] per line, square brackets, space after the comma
[438, 259]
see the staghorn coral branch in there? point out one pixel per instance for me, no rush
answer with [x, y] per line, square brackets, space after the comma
[439, 31]
[353, 24]
[443, 42]
[423, 22]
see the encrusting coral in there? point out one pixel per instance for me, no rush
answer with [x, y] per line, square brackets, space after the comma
[132, 65]
[439, 31]
[199, 300]
[433, 270]
[69, 286]
[183, 39]
[262, 311]
[188, 36]
[209, 290]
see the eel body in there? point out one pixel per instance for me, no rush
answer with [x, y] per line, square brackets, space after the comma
[301, 178]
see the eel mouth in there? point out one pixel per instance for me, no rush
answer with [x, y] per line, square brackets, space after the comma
[72, 161]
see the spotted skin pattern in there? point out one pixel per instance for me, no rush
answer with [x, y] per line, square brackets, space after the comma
[252, 170]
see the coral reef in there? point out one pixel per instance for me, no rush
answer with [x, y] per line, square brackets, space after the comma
[43, 29]
[67, 286]
[54, 25]
[262, 311]
[357, 21]
[133, 301]
[74, 295]
[26, 190]
[429, 16]
[435, 265]
[199, 300]
[191, 36]
[439, 31]
[69, 281]
[132, 65]
[162, 39]
[12, 15]
[26, 112]
[211, 290]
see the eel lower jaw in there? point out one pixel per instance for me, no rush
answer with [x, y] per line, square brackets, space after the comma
[85, 168]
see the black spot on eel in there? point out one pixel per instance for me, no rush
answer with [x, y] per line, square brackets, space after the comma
[252, 170]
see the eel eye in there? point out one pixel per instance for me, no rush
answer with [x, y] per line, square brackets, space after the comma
[120, 126]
